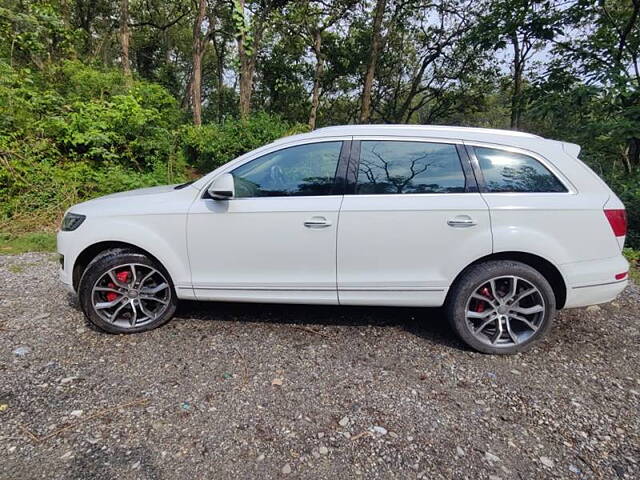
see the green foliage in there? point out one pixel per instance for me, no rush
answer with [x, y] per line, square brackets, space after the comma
[87, 114]
[76, 81]
[531, 20]
[209, 146]
[33, 32]
[72, 132]
[628, 189]
[121, 129]
[633, 257]
[242, 29]
[33, 196]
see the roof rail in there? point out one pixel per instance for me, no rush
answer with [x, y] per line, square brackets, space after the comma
[433, 128]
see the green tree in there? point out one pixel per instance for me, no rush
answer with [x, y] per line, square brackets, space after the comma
[312, 19]
[608, 56]
[428, 58]
[524, 27]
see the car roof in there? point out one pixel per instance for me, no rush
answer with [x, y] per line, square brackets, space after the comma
[527, 141]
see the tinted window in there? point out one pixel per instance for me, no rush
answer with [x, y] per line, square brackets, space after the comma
[513, 172]
[409, 167]
[301, 170]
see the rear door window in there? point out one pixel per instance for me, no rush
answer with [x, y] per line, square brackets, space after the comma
[401, 167]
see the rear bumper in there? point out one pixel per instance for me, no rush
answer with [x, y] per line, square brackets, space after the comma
[593, 282]
[582, 297]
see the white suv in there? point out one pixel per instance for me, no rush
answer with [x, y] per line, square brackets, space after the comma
[500, 227]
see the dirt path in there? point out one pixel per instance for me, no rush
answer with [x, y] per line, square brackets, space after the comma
[248, 391]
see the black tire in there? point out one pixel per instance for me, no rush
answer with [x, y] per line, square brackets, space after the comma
[109, 260]
[478, 275]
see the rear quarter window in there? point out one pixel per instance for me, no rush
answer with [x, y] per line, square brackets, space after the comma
[506, 171]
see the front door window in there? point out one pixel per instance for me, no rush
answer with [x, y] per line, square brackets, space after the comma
[302, 170]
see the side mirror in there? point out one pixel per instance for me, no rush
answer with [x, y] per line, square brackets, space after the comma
[222, 187]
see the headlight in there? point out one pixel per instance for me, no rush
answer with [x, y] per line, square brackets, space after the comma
[71, 221]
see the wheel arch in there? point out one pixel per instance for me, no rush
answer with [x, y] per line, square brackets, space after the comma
[92, 251]
[542, 265]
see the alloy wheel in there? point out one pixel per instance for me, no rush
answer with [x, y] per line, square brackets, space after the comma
[505, 311]
[131, 295]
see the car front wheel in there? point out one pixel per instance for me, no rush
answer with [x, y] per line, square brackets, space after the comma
[124, 291]
[501, 307]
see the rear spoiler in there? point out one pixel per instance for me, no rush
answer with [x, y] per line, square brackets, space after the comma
[571, 148]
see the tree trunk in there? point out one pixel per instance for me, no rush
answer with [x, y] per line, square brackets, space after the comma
[124, 37]
[516, 96]
[167, 45]
[221, 85]
[315, 94]
[220, 55]
[196, 90]
[248, 62]
[376, 43]
[196, 76]
[246, 81]
[247, 70]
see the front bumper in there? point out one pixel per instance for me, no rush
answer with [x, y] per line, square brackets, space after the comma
[65, 272]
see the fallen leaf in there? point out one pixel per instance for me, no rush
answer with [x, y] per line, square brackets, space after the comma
[277, 382]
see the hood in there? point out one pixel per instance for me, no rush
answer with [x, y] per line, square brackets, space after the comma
[138, 192]
[162, 199]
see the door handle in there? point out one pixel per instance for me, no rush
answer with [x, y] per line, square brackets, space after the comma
[461, 221]
[317, 222]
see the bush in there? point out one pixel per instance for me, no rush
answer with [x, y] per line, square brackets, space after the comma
[34, 195]
[82, 113]
[120, 130]
[209, 146]
[71, 132]
[628, 189]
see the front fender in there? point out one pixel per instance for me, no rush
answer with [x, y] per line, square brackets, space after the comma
[159, 235]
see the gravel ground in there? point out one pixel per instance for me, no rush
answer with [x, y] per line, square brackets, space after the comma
[246, 391]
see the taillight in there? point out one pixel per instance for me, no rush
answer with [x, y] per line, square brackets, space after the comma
[618, 221]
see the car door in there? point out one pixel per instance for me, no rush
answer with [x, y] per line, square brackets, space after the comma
[410, 221]
[275, 240]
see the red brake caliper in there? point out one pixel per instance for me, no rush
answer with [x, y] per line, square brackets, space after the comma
[480, 304]
[122, 276]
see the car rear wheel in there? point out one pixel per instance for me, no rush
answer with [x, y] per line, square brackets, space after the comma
[123, 291]
[501, 307]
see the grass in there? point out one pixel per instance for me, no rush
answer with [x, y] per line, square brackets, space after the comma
[27, 242]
